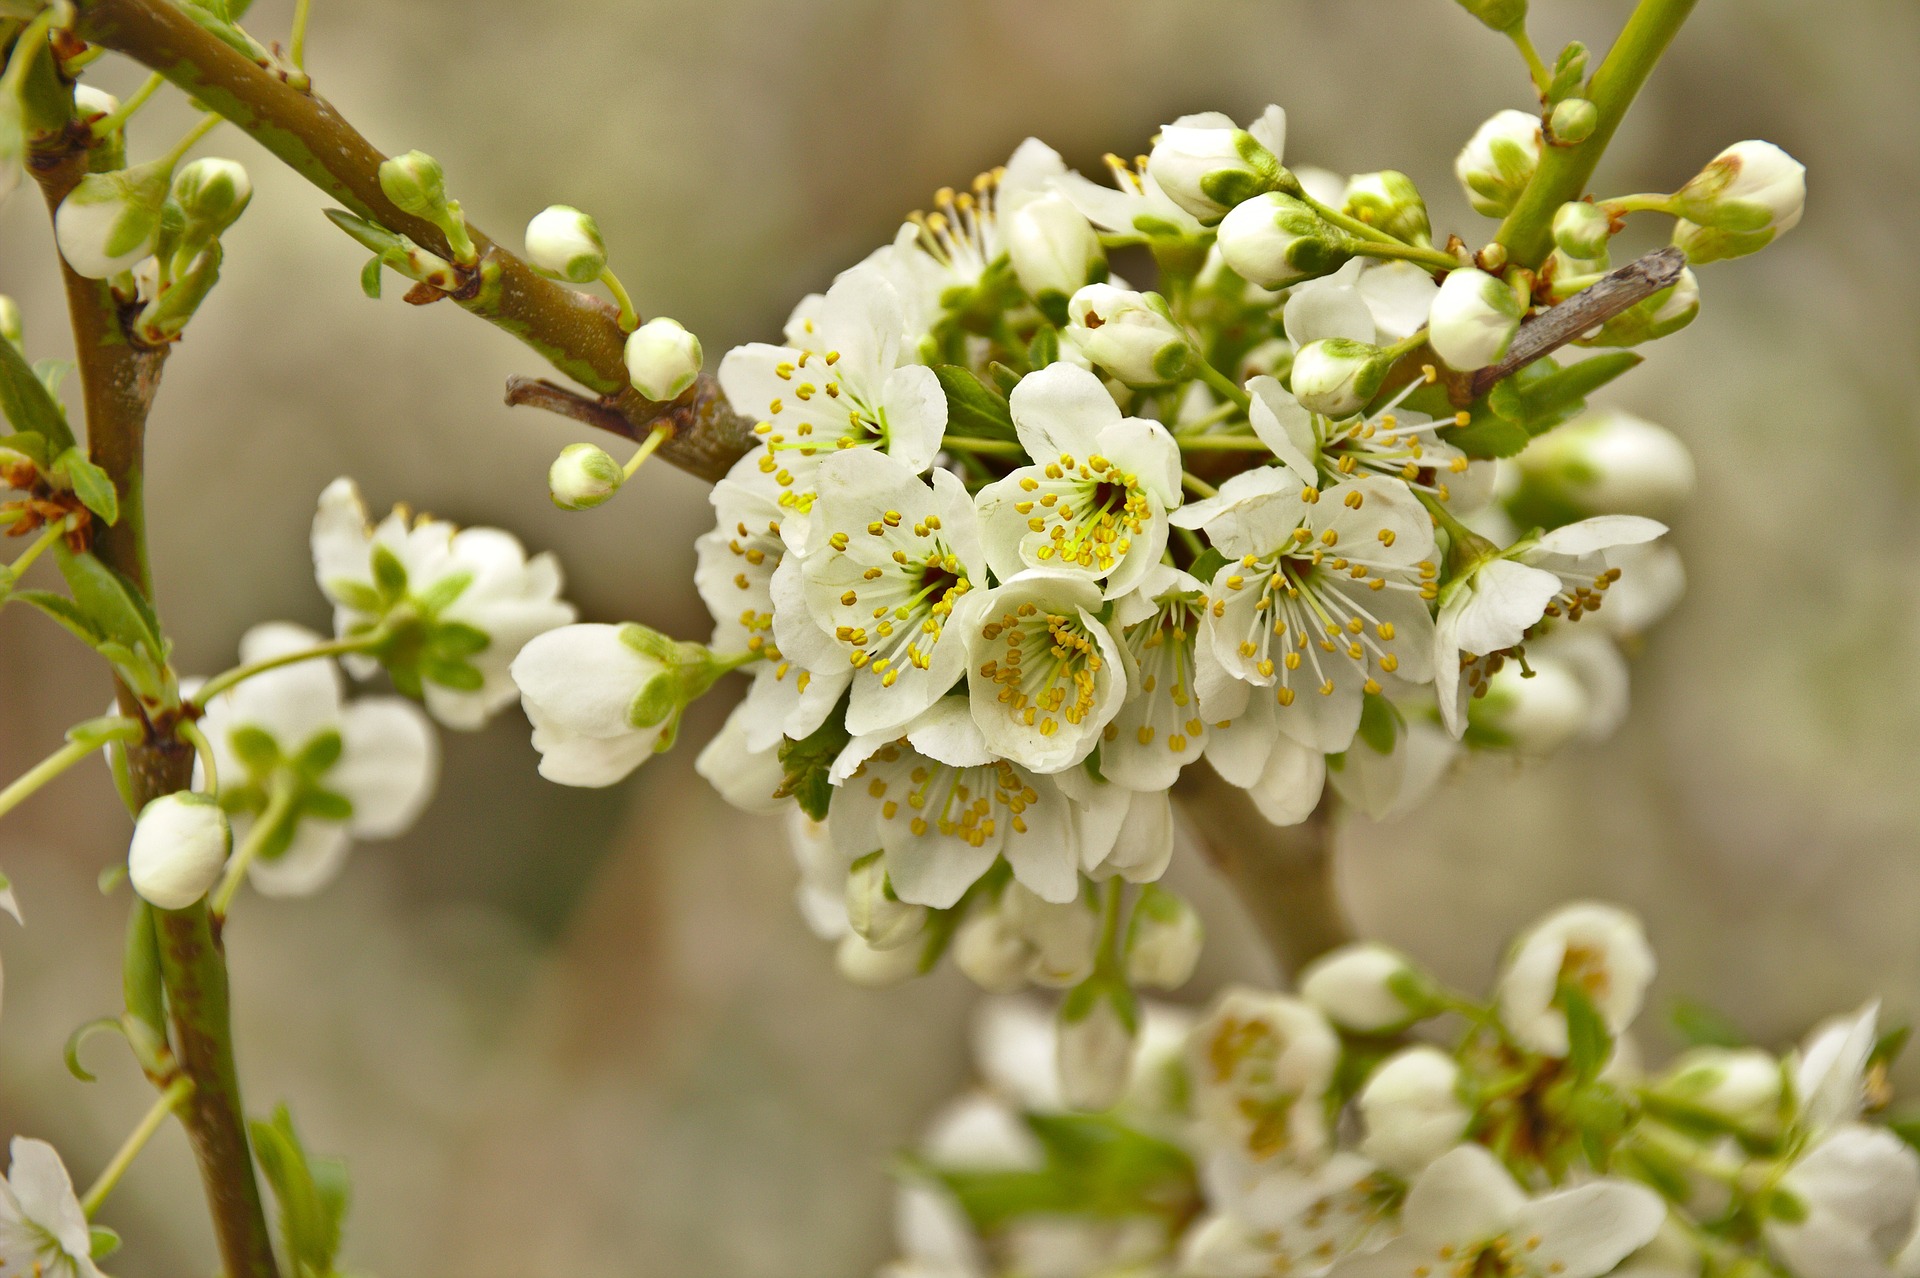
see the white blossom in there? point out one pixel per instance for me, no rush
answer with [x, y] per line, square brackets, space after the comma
[1207, 164]
[1132, 335]
[1164, 938]
[1275, 240]
[180, 845]
[1853, 1203]
[662, 359]
[1054, 249]
[1465, 1211]
[1159, 730]
[1367, 988]
[1094, 501]
[1135, 205]
[934, 1237]
[349, 770]
[1749, 188]
[1598, 949]
[470, 599]
[1612, 462]
[940, 257]
[877, 916]
[1291, 1221]
[583, 476]
[1532, 712]
[1473, 320]
[1412, 1110]
[1393, 442]
[1324, 591]
[1829, 1069]
[744, 777]
[566, 244]
[602, 700]
[1261, 1065]
[43, 1231]
[1095, 1046]
[107, 223]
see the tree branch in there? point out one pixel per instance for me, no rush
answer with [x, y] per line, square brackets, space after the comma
[1283, 875]
[1586, 310]
[119, 378]
[576, 333]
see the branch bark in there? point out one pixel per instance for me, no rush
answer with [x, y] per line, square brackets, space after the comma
[1586, 310]
[119, 378]
[575, 332]
[1283, 875]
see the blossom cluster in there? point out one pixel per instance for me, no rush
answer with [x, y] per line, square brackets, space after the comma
[1337, 1130]
[1018, 543]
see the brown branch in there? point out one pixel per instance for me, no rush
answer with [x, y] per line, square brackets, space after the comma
[119, 377]
[576, 333]
[538, 392]
[1283, 875]
[1585, 311]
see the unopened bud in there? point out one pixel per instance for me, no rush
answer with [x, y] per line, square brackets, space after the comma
[882, 919]
[1611, 462]
[213, 193]
[1064, 938]
[12, 326]
[1498, 14]
[1337, 376]
[992, 952]
[663, 359]
[1094, 1048]
[1207, 164]
[180, 846]
[1164, 939]
[863, 965]
[1131, 335]
[564, 243]
[1573, 120]
[1275, 240]
[1668, 311]
[1703, 244]
[416, 184]
[1742, 1085]
[1369, 989]
[1055, 250]
[1581, 230]
[108, 222]
[90, 104]
[1473, 319]
[583, 476]
[1498, 161]
[1389, 201]
[1748, 188]
[1533, 711]
[1412, 1111]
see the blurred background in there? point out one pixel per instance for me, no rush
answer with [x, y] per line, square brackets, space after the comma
[579, 1032]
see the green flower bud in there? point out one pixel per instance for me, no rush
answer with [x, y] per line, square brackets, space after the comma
[663, 359]
[1573, 120]
[89, 103]
[1703, 244]
[1498, 161]
[212, 194]
[1130, 335]
[108, 222]
[1207, 164]
[1748, 188]
[1668, 311]
[1275, 240]
[583, 476]
[1473, 319]
[1163, 940]
[565, 244]
[1500, 15]
[1337, 377]
[416, 184]
[1390, 201]
[1581, 230]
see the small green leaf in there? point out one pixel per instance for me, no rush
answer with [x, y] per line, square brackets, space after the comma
[53, 374]
[90, 484]
[973, 408]
[102, 1242]
[807, 762]
[26, 403]
[370, 277]
[1045, 347]
[140, 970]
[64, 611]
[28, 445]
[311, 1193]
[1588, 1043]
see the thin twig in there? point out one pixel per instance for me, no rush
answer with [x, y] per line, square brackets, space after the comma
[538, 392]
[1583, 312]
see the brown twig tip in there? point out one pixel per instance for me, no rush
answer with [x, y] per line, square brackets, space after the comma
[1585, 311]
[538, 392]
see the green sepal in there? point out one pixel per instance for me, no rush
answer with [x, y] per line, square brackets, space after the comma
[389, 574]
[1702, 1026]
[257, 749]
[1208, 565]
[974, 410]
[456, 640]
[27, 404]
[1569, 71]
[324, 805]
[371, 277]
[1588, 1043]
[101, 1242]
[319, 754]
[1044, 349]
[807, 761]
[442, 593]
[90, 484]
[1380, 723]
[357, 595]
[449, 673]
[1096, 1167]
[140, 983]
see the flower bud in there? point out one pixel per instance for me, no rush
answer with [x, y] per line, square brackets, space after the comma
[1063, 938]
[564, 243]
[1573, 120]
[1206, 164]
[882, 919]
[1498, 161]
[1743, 1085]
[180, 846]
[416, 184]
[12, 327]
[108, 222]
[1611, 462]
[1748, 188]
[1054, 249]
[1533, 711]
[1497, 14]
[1163, 941]
[1668, 311]
[1703, 244]
[1275, 240]
[1389, 201]
[863, 965]
[1368, 989]
[90, 103]
[1412, 1111]
[212, 193]
[583, 476]
[663, 359]
[1094, 1047]
[1599, 949]
[991, 951]
[1337, 376]
[1130, 335]
[1473, 319]
[1581, 230]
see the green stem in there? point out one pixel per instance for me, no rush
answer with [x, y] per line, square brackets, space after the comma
[1230, 390]
[169, 1101]
[1564, 171]
[1347, 222]
[1221, 443]
[297, 43]
[240, 674]
[629, 318]
[117, 118]
[208, 123]
[279, 808]
[16, 72]
[40, 546]
[202, 748]
[35, 778]
[1428, 257]
[647, 449]
[1542, 77]
[984, 447]
[1194, 484]
[1643, 203]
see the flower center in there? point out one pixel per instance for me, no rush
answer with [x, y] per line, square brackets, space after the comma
[1049, 669]
[1089, 511]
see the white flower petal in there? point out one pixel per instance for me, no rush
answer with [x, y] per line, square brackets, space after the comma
[388, 764]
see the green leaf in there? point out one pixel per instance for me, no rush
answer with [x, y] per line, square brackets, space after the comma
[370, 277]
[973, 408]
[1542, 402]
[64, 611]
[1045, 347]
[30, 446]
[807, 761]
[26, 403]
[53, 373]
[311, 1193]
[118, 610]
[90, 484]
[1588, 1043]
